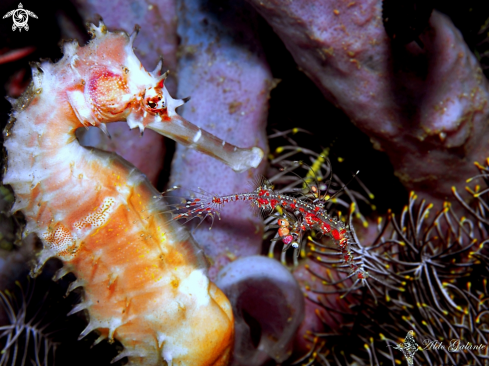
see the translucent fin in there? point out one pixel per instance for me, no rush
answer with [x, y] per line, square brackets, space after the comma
[199, 206]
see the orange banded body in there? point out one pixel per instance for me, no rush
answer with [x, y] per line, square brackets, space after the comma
[143, 276]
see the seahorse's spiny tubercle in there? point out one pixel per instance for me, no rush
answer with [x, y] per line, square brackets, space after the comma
[143, 276]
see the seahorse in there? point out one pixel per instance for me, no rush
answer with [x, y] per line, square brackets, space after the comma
[144, 278]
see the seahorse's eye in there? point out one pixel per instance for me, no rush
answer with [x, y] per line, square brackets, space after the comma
[154, 101]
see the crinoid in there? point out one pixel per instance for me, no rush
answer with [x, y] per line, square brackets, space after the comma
[25, 339]
[432, 272]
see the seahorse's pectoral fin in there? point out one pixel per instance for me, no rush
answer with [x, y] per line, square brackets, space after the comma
[80, 107]
[186, 133]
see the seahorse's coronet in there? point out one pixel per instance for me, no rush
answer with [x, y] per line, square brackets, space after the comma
[144, 278]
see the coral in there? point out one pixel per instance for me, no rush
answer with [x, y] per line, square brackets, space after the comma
[426, 108]
[429, 273]
[25, 333]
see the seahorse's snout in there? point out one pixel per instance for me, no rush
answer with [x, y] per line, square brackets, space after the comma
[188, 134]
[160, 115]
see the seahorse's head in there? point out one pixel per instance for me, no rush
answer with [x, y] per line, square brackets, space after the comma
[106, 82]
[110, 84]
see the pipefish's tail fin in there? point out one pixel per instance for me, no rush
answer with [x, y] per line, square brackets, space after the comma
[200, 205]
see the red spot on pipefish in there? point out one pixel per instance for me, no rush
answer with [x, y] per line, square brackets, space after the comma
[287, 239]
[325, 228]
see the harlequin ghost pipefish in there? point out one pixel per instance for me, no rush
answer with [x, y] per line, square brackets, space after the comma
[295, 217]
[144, 277]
